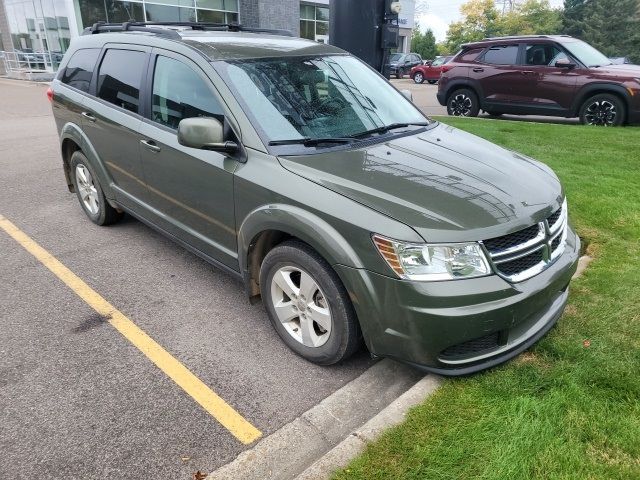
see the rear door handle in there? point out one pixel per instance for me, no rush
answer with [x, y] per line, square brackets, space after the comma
[89, 116]
[527, 72]
[478, 69]
[151, 145]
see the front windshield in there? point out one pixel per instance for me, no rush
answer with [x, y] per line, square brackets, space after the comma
[587, 54]
[395, 57]
[315, 97]
[438, 61]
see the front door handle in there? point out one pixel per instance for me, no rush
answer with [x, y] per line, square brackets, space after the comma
[151, 145]
[478, 69]
[89, 116]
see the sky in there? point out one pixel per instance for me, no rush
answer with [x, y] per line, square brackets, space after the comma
[438, 14]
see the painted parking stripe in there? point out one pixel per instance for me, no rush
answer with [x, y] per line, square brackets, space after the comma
[192, 385]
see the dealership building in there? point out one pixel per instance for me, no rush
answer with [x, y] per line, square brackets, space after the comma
[38, 32]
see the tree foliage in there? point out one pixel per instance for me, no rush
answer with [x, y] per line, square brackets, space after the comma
[612, 26]
[424, 44]
[481, 19]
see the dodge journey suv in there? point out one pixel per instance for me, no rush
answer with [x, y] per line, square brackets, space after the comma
[541, 75]
[297, 168]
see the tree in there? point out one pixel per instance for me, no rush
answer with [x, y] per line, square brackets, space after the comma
[612, 26]
[423, 44]
[481, 19]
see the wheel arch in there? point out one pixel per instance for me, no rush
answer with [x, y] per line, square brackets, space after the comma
[269, 225]
[457, 84]
[599, 88]
[73, 139]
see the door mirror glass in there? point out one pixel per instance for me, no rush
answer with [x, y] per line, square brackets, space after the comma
[408, 95]
[204, 133]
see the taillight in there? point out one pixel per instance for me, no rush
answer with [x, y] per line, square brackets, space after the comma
[50, 94]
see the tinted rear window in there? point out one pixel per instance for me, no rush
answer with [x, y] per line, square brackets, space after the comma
[120, 76]
[79, 70]
[470, 55]
[502, 55]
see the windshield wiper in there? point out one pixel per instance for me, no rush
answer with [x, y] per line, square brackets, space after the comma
[311, 142]
[386, 128]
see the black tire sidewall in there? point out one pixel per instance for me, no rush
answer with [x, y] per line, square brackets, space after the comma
[475, 105]
[433, 82]
[620, 107]
[78, 158]
[399, 73]
[344, 330]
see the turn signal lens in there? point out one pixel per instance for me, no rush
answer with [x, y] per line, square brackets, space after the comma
[50, 94]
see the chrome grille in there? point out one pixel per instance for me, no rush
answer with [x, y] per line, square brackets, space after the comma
[524, 254]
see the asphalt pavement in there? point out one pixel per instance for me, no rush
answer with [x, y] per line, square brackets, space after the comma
[77, 399]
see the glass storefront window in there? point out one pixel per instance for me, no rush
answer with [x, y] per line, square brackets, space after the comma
[39, 32]
[167, 13]
[314, 22]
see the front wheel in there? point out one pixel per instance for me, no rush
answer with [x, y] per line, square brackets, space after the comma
[307, 304]
[603, 110]
[418, 77]
[463, 103]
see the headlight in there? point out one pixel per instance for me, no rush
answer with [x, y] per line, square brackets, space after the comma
[424, 262]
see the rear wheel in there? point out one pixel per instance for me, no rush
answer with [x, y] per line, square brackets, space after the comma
[433, 82]
[89, 191]
[399, 73]
[307, 304]
[463, 103]
[418, 77]
[493, 113]
[603, 110]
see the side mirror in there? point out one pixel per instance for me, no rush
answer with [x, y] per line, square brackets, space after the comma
[565, 63]
[408, 95]
[204, 133]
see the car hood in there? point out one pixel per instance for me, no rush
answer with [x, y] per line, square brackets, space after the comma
[446, 184]
[624, 70]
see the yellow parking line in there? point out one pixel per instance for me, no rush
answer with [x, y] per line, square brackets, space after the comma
[212, 403]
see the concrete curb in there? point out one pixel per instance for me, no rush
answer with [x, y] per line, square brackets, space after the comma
[344, 452]
[583, 263]
[293, 448]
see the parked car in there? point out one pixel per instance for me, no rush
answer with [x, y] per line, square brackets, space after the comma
[541, 75]
[346, 210]
[401, 63]
[430, 72]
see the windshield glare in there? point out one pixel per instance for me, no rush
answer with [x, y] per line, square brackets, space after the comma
[319, 97]
[587, 54]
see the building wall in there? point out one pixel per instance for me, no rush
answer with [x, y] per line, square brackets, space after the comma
[5, 33]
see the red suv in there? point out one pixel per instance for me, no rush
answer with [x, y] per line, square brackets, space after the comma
[541, 75]
[431, 71]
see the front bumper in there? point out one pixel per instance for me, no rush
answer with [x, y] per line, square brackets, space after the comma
[459, 327]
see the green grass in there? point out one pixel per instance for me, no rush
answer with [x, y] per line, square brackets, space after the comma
[563, 409]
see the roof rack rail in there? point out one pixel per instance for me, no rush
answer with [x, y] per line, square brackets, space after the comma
[133, 26]
[516, 37]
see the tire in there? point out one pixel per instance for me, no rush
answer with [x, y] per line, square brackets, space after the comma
[493, 113]
[432, 82]
[418, 77]
[89, 192]
[604, 110]
[463, 103]
[327, 300]
[400, 73]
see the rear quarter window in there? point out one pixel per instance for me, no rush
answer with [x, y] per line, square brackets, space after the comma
[502, 55]
[79, 70]
[469, 55]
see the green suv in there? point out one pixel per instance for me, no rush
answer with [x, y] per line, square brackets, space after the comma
[298, 169]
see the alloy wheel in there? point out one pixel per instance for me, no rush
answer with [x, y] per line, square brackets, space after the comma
[301, 306]
[601, 113]
[418, 78]
[461, 105]
[87, 189]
